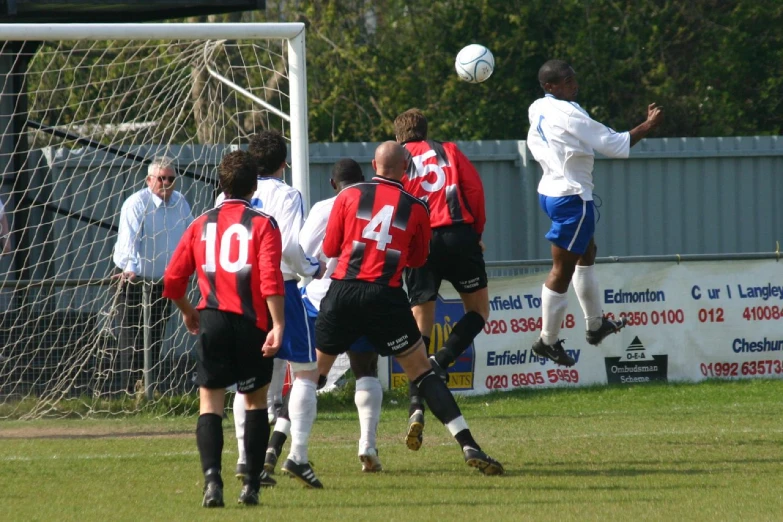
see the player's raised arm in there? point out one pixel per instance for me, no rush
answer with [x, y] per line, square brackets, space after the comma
[654, 119]
[600, 137]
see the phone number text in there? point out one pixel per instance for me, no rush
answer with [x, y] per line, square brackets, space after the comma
[517, 380]
[735, 369]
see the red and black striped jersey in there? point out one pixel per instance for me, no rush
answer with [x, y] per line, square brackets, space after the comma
[440, 174]
[377, 229]
[235, 251]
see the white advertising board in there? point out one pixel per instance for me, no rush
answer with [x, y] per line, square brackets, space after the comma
[686, 322]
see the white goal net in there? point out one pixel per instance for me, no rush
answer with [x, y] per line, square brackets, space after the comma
[85, 109]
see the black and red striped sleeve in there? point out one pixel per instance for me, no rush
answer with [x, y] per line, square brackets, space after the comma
[270, 252]
[335, 227]
[181, 266]
[420, 242]
[472, 190]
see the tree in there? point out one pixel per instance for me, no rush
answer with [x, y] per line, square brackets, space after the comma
[714, 65]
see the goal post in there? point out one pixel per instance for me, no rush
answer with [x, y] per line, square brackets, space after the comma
[90, 106]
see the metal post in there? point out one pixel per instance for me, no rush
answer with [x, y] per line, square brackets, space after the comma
[300, 163]
[146, 306]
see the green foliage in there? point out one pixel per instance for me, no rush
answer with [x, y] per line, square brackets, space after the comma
[715, 66]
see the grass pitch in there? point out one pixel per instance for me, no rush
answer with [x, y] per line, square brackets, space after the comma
[654, 452]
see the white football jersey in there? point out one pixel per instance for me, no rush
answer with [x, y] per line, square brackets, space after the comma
[562, 139]
[284, 203]
[312, 240]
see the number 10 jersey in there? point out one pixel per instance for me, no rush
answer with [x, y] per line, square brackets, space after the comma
[235, 251]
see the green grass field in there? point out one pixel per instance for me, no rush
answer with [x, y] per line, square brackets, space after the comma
[711, 451]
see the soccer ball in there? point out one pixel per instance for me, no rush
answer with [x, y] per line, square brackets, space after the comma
[474, 63]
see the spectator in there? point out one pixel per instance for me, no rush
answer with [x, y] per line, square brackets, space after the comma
[152, 222]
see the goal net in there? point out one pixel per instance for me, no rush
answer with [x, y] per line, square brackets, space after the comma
[85, 110]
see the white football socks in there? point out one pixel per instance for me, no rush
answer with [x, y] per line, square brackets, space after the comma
[586, 287]
[301, 410]
[239, 426]
[457, 425]
[368, 399]
[553, 311]
[283, 426]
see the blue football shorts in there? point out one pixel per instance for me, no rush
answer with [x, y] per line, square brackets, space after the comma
[299, 335]
[573, 221]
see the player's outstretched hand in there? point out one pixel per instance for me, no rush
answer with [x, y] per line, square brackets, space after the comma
[192, 321]
[273, 341]
[654, 115]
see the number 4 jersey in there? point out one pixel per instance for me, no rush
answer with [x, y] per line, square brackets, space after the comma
[235, 251]
[376, 229]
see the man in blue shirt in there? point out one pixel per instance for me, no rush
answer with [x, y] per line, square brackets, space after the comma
[152, 222]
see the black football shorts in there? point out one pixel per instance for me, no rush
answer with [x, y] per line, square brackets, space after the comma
[229, 352]
[352, 309]
[456, 256]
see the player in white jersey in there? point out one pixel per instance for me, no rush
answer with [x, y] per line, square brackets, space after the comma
[563, 140]
[362, 355]
[284, 204]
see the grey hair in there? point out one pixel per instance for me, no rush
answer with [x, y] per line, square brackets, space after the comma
[160, 162]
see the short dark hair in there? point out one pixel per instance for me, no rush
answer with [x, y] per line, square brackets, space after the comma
[553, 71]
[270, 151]
[346, 171]
[238, 174]
[411, 125]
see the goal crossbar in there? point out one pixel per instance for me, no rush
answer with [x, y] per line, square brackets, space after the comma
[205, 31]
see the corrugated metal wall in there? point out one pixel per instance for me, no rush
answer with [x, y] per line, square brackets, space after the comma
[93, 185]
[673, 196]
[694, 196]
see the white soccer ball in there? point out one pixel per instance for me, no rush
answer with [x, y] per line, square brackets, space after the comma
[474, 63]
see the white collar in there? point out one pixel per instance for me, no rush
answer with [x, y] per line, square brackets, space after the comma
[158, 201]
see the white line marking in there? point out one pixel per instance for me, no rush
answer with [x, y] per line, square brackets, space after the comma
[103, 456]
[548, 438]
